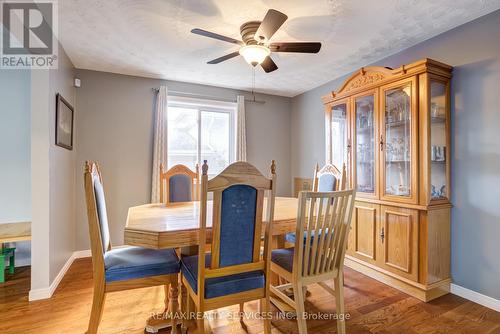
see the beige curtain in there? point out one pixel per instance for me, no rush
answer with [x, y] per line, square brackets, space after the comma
[241, 133]
[159, 143]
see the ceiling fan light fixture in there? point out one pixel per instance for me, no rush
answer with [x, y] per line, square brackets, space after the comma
[254, 54]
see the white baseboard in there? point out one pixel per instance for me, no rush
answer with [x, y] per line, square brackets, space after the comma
[81, 254]
[39, 294]
[45, 293]
[476, 297]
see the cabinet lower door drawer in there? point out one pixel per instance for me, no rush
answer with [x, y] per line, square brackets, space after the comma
[362, 242]
[399, 241]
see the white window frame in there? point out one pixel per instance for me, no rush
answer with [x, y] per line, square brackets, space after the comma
[209, 106]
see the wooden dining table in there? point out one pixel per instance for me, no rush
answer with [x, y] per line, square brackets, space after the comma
[176, 225]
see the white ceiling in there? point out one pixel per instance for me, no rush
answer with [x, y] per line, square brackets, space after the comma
[152, 38]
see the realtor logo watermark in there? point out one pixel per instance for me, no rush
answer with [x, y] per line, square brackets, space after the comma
[29, 35]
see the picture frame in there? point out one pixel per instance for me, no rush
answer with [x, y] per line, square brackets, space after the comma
[64, 123]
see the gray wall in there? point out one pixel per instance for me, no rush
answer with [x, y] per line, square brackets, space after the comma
[61, 172]
[474, 51]
[114, 121]
[52, 178]
[15, 156]
[15, 185]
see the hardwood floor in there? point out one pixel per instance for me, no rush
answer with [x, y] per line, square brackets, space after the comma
[373, 308]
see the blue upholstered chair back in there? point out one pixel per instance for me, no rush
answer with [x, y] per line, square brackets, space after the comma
[180, 188]
[179, 184]
[327, 182]
[237, 225]
[96, 212]
[102, 215]
[329, 178]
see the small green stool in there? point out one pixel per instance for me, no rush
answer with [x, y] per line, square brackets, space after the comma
[6, 253]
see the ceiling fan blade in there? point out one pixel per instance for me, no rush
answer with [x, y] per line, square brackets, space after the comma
[269, 65]
[216, 36]
[269, 25]
[302, 47]
[223, 58]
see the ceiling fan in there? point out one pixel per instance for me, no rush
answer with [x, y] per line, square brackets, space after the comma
[256, 47]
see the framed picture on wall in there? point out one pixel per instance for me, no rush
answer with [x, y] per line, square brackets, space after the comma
[64, 123]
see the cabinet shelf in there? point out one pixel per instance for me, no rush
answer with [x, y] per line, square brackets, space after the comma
[395, 124]
[435, 120]
[365, 129]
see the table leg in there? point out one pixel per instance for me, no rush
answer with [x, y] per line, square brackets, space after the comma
[170, 315]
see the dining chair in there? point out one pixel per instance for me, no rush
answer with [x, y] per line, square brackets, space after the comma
[318, 259]
[329, 178]
[234, 271]
[124, 268]
[179, 184]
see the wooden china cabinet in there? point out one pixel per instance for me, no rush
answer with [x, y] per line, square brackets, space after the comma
[392, 129]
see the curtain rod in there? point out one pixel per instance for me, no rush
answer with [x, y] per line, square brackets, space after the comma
[207, 97]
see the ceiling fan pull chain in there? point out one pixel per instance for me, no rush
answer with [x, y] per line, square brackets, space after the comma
[253, 83]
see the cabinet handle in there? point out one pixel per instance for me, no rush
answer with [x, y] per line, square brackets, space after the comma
[381, 143]
[382, 235]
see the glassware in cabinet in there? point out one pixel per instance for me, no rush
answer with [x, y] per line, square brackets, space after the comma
[438, 140]
[398, 137]
[365, 143]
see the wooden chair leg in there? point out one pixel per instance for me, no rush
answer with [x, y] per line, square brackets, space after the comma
[200, 325]
[167, 295]
[172, 303]
[339, 301]
[242, 308]
[184, 308]
[97, 308]
[203, 326]
[265, 308]
[191, 308]
[298, 294]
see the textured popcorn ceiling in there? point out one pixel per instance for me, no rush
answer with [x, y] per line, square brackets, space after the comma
[152, 38]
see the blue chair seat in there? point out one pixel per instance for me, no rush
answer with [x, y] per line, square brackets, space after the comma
[284, 258]
[220, 286]
[290, 237]
[137, 262]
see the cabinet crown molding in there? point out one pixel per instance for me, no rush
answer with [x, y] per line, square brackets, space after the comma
[367, 77]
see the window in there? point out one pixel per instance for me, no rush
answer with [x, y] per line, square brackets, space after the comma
[201, 130]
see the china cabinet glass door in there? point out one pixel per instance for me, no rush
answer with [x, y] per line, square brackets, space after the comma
[438, 140]
[397, 136]
[340, 136]
[365, 134]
